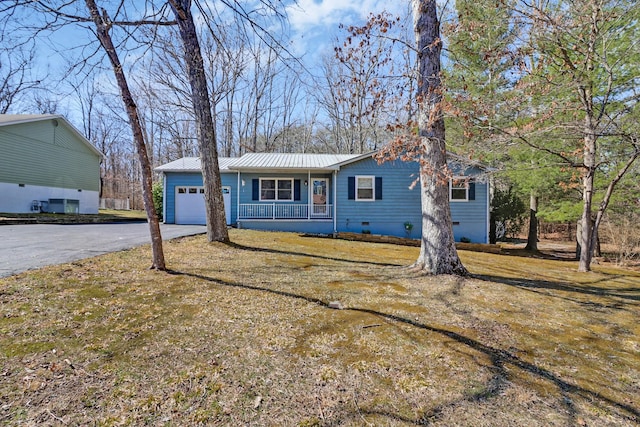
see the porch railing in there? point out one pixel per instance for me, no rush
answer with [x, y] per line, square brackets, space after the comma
[284, 211]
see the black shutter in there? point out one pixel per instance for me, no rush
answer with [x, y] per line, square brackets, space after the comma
[351, 193]
[472, 190]
[255, 195]
[296, 189]
[378, 188]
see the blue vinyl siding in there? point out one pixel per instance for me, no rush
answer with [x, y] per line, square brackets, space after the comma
[400, 204]
[297, 226]
[470, 218]
[395, 202]
[385, 216]
[180, 179]
[246, 190]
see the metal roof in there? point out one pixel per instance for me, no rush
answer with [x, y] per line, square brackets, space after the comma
[286, 161]
[192, 164]
[271, 161]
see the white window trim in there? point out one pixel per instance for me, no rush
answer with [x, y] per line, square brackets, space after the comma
[465, 180]
[189, 189]
[276, 199]
[373, 188]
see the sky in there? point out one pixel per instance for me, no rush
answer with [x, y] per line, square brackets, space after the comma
[316, 22]
[326, 15]
[313, 27]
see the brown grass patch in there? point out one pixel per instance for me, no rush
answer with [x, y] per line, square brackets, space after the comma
[242, 334]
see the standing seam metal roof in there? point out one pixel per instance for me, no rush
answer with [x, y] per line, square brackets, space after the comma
[271, 161]
[290, 161]
[193, 164]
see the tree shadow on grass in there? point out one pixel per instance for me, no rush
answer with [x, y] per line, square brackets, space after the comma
[619, 297]
[548, 254]
[310, 255]
[500, 360]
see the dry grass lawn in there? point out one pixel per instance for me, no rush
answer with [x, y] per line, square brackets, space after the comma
[243, 334]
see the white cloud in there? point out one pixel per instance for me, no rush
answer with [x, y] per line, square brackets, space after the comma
[308, 14]
[315, 22]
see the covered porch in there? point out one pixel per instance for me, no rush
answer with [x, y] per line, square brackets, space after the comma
[288, 192]
[273, 211]
[270, 196]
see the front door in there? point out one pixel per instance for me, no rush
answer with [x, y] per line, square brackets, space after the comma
[320, 196]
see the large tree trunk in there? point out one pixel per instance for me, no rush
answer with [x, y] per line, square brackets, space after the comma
[595, 240]
[584, 239]
[493, 238]
[102, 30]
[438, 253]
[214, 202]
[532, 237]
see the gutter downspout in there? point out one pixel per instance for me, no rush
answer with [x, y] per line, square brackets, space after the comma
[309, 196]
[335, 204]
[164, 198]
[238, 202]
[488, 230]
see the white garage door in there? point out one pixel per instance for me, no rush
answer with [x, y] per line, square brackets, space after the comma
[190, 207]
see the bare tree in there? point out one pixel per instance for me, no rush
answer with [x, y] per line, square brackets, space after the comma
[103, 25]
[226, 65]
[56, 16]
[15, 74]
[363, 80]
[165, 100]
[216, 220]
[438, 254]
[103, 130]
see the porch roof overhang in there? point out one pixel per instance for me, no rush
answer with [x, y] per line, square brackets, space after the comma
[193, 164]
[284, 170]
[289, 162]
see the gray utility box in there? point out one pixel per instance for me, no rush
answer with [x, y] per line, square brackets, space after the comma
[64, 206]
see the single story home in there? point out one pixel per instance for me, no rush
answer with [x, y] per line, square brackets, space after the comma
[47, 165]
[325, 194]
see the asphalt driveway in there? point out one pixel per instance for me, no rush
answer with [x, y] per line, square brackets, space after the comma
[27, 247]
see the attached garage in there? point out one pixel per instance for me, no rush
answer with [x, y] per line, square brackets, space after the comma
[183, 190]
[190, 207]
[324, 194]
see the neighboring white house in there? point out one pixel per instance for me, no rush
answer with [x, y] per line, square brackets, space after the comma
[46, 163]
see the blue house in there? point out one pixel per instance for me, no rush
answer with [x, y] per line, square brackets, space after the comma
[325, 194]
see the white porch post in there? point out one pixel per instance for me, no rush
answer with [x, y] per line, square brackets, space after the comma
[335, 200]
[238, 200]
[309, 195]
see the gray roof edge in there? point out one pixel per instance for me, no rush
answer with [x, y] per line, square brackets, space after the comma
[281, 169]
[30, 118]
[357, 158]
[450, 156]
[172, 166]
[14, 119]
[230, 167]
[288, 162]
